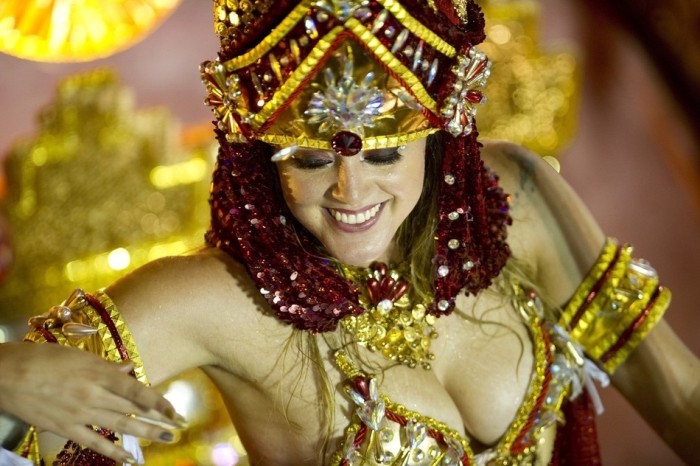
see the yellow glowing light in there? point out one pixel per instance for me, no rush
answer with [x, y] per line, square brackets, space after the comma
[119, 259]
[167, 176]
[499, 34]
[76, 30]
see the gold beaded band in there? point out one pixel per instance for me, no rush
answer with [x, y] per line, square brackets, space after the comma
[88, 322]
[615, 307]
[91, 323]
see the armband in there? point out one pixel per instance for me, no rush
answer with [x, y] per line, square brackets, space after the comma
[90, 323]
[615, 307]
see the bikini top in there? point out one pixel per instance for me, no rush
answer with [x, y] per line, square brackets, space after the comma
[384, 432]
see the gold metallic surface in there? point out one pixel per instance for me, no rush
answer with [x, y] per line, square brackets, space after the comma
[76, 30]
[101, 189]
[533, 93]
[613, 298]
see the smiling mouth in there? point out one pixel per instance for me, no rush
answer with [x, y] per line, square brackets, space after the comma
[356, 218]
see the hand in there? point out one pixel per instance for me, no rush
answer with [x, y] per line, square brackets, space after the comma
[62, 390]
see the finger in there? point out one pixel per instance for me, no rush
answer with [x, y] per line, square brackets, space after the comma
[138, 427]
[140, 396]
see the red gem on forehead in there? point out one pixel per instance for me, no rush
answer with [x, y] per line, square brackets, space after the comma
[346, 143]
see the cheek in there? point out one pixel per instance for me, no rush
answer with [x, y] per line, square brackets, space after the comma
[299, 189]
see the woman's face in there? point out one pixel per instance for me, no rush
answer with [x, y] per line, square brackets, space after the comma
[354, 205]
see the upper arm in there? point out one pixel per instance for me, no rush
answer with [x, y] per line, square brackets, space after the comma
[170, 307]
[661, 377]
[552, 228]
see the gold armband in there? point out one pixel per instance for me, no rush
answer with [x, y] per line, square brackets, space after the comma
[88, 322]
[615, 307]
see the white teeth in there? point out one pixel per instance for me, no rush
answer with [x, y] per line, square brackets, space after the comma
[354, 219]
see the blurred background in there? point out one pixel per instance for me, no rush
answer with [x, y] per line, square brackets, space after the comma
[106, 161]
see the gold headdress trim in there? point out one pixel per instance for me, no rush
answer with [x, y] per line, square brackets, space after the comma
[388, 58]
[281, 31]
[369, 143]
[300, 74]
[272, 39]
[417, 28]
[319, 52]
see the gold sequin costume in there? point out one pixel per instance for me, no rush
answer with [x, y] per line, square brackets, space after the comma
[614, 308]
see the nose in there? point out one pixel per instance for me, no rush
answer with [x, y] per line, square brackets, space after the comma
[350, 186]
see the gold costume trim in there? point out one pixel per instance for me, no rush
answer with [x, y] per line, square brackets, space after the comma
[77, 323]
[417, 28]
[272, 39]
[616, 306]
[388, 58]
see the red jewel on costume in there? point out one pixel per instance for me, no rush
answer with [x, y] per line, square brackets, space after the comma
[346, 143]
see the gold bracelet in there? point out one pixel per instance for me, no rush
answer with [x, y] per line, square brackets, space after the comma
[615, 307]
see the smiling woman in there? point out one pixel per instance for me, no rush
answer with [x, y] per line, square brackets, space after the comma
[354, 205]
[357, 302]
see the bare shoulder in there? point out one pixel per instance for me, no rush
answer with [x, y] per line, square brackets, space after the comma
[178, 307]
[552, 229]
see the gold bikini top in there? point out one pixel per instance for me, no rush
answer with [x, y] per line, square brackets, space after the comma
[383, 432]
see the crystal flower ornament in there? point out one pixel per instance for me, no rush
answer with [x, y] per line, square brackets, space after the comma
[471, 72]
[345, 107]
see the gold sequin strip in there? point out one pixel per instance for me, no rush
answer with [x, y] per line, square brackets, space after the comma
[616, 306]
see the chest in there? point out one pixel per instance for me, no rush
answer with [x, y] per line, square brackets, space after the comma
[480, 377]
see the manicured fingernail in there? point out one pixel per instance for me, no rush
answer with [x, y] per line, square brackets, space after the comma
[130, 460]
[166, 436]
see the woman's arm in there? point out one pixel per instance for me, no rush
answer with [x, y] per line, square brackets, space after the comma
[661, 378]
[552, 227]
[164, 306]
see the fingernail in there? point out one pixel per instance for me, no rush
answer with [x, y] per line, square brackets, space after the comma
[166, 436]
[130, 460]
[181, 421]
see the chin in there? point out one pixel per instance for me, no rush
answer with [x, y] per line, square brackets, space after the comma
[361, 256]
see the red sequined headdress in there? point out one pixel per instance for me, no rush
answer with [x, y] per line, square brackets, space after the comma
[262, 89]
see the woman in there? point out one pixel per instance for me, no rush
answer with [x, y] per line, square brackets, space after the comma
[347, 143]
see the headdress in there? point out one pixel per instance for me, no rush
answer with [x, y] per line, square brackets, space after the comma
[347, 75]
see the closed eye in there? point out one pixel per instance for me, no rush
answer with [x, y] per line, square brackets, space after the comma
[383, 156]
[311, 160]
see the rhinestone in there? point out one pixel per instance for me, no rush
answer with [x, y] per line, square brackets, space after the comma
[433, 71]
[449, 179]
[468, 265]
[311, 30]
[284, 61]
[443, 270]
[400, 41]
[453, 215]
[389, 32]
[283, 220]
[379, 21]
[453, 244]
[443, 305]
[386, 435]
[264, 291]
[418, 456]
[304, 41]
[385, 306]
[322, 16]
[642, 267]
[408, 51]
[293, 276]
[424, 65]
